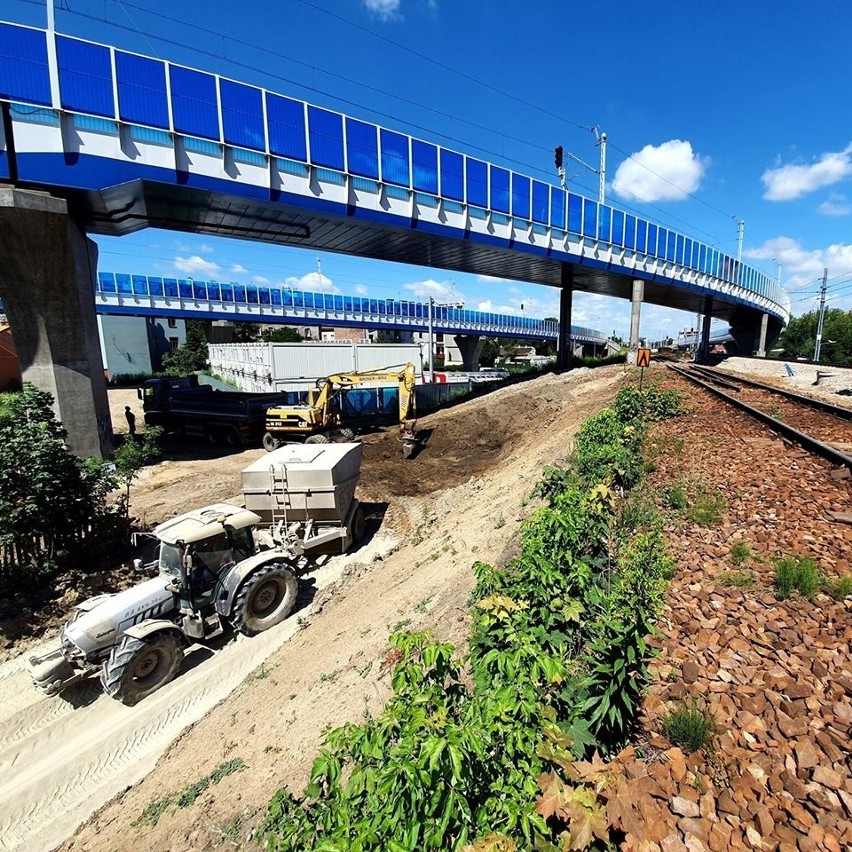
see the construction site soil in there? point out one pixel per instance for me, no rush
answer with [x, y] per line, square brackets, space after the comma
[773, 674]
[266, 700]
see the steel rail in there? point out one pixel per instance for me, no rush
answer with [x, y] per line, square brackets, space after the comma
[819, 404]
[729, 383]
[807, 441]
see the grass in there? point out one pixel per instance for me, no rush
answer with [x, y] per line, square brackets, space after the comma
[797, 574]
[499, 521]
[186, 797]
[674, 497]
[842, 588]
[689, 727]
[707, 508]
[740, 553]
[739, 577]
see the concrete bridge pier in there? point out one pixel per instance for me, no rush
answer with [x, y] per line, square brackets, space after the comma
[564, 347]
[635, 314]
[47, 272]
[764, 327]
[702, 352]
[470, 347]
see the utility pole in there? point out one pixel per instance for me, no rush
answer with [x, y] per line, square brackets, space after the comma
[431, 344]
[559, 153]
[822, 291]
[740, 235]
[602, 170]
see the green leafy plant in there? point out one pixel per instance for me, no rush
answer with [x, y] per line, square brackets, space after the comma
[132, 455]
[689, 727]
[187, 796]
[797, 574]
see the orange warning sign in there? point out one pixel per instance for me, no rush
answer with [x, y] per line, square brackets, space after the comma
[643, 357]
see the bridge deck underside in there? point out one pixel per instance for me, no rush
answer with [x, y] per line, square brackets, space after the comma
[134, 206]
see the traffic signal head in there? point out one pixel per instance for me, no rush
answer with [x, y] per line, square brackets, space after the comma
[558, 156]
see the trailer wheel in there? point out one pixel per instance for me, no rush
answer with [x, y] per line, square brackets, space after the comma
[319, 438]
[359, 526]
[232, 437]
[265, 599]
[138, 667]
[270, 442]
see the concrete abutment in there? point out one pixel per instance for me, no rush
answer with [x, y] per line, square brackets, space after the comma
[47, 272]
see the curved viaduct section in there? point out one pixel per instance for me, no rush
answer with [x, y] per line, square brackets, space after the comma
[119, 142]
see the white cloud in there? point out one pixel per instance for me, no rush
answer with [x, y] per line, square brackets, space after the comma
[835, 205]
[803, 267]
[196, 265]
[383, 9]
[667, 172]
[313, 282]
[785, 183]
[440, 291]
[238, 269]
[206, 248]
[260, 279]
[361, 289]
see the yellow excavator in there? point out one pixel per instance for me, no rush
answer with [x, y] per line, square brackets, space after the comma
[322, 419]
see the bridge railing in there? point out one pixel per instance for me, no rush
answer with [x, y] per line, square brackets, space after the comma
[159, 104]
[262, 303]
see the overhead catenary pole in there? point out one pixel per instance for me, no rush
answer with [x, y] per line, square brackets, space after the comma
[822, 291]
[740, 235]
[602, 170]
[431, 344]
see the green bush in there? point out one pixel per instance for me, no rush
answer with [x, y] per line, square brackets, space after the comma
[689, 727]
[797, 574]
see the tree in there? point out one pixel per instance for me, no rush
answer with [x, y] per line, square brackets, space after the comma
[799, 338]
[52, 504]
[283, 334]
[192, 356]
[131, 457]
[246, 332]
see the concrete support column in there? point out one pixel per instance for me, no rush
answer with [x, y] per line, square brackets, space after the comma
[635, 314]
[564, 348]
[703, 351]
[470, 346]
[764, 327]
[47, 272]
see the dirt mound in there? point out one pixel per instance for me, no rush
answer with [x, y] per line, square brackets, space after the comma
[462, 499]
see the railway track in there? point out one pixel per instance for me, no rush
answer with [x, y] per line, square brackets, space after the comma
[820, 427]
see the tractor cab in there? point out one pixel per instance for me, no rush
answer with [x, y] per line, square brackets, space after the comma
[198, 549]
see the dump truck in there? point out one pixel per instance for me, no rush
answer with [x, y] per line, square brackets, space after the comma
[324, 417]
[219, 568]
[189, 409]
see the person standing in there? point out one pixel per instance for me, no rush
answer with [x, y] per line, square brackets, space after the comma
[131, 420]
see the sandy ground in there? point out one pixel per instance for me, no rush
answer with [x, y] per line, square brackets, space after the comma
[267, 700]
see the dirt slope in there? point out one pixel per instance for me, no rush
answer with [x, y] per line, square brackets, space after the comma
[460, 500]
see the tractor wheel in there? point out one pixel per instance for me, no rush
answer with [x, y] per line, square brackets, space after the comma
[346, 436]
[270, 442]
[138, 667]
[265, 599]
[359, 526]
[319, 438]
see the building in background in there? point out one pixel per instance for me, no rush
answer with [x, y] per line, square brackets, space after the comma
[10, 372]
[133, 346]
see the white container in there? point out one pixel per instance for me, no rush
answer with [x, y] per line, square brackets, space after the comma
[298, 482]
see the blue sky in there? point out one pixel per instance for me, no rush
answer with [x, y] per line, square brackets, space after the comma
[714, 112]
